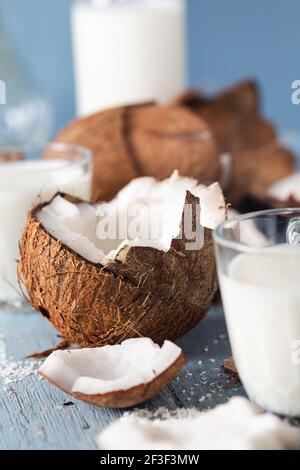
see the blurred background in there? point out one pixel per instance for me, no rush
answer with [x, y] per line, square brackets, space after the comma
[227, 41]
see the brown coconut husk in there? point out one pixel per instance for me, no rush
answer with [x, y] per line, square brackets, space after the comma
[153, 140]
[105, 135]
[224, 112]
[165, 138]
[229, 368]
[257, 158]
[275, 163]
[149, 293]
[254, 171]
[134, 395]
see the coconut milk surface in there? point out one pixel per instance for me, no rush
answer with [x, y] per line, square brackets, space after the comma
[22, 184]
[261, 298]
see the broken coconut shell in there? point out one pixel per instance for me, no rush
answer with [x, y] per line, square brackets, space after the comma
[140, 140]
[284, 193]
[224, 111]
[254, 171]
[117, 376]
[255, 158]
[152, 290]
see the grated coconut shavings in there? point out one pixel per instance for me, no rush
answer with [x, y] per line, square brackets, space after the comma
[12, 370]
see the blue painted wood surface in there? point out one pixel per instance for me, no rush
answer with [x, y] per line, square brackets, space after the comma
[35, 415]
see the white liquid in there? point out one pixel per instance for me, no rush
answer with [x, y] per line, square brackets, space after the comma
[23, 184]
[261, 298]
[128, 53]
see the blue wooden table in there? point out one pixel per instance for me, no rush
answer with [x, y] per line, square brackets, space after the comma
[35, 415]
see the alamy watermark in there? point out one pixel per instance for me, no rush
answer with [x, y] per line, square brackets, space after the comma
[154, 222]
[2, 92]
[296, 93]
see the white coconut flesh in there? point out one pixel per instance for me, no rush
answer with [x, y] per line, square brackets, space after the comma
[97, 371]
[146, 213]
[249, 233]
[286, 188]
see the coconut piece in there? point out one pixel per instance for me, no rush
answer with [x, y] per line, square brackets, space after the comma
[229, 366]
[166, 138]
[236, 425]
[285, 192]
[116, 376]
[104, 134]
[224, 111]
[98, 291]
[247, 146]
[143, 140]
[282, 162]
[254, 157]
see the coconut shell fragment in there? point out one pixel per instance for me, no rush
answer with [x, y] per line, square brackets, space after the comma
[256, 159]
[140, 140]
[118, 376]
[224, 111]
[284, 193]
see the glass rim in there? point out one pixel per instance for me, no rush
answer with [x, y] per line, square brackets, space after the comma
[220, 239]
[84, 153]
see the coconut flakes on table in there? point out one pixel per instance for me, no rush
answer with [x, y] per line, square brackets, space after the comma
[162, 413]
[237, 425]
[13, 371]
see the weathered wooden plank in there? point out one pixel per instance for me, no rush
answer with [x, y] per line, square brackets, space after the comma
[34, 415]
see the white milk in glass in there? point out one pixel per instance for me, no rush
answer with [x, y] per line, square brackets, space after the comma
[261, 298]
[22, 184]
[127, 52]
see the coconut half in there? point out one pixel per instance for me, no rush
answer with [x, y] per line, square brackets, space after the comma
[116, 376]
[144, 139]
[142, 265]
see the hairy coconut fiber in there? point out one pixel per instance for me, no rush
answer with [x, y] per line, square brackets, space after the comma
[149, 293]
[257, 159]
[150, 140]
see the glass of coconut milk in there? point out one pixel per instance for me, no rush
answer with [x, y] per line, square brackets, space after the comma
[258, 259]
[25, 180]
[127, 51]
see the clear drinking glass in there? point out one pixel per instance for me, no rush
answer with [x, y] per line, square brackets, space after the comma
[26, 179]
[258, 260]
